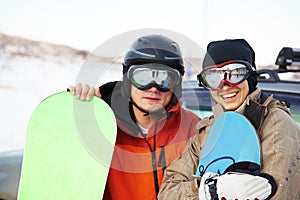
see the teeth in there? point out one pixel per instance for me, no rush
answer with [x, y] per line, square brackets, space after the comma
[229, 95]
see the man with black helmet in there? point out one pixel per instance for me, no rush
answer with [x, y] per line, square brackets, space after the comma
[229, 73]
[153, 129]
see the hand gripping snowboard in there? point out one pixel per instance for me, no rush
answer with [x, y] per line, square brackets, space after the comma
[68, 150]
[232, 143]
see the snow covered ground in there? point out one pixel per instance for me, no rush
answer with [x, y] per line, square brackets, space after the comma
[25, 81]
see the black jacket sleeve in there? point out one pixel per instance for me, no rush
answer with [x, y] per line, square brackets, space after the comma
[106, 91]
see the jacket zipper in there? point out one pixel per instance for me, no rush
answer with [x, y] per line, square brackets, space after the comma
[153, 155]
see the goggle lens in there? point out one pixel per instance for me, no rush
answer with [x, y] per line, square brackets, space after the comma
[161, 76]
[230, 73]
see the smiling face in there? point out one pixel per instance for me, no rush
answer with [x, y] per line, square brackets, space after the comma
[231, 97]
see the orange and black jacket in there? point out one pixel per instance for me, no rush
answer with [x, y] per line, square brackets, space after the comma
[138, 162]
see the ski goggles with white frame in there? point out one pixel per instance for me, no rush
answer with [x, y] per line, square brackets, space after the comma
[229, 73]
[160, 76]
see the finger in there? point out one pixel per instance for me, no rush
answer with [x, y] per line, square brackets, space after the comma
[84, 92]
[72, 89]
[78, 90]
[90, 93]
[97, 92]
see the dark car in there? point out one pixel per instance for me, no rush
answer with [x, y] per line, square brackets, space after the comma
[198, 100]
[283, 83]
[10, 170]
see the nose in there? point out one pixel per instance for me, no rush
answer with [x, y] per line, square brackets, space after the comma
[152, 89]
[225, 84]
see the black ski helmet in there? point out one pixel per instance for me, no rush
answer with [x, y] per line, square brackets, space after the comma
[153, 49]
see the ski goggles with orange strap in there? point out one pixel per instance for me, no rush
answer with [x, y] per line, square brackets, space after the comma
[145, 76]
[229, 73]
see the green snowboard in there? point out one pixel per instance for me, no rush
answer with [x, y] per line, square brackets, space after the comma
[68, 149]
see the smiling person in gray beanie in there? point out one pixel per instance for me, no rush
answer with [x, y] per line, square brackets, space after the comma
[229, 73]
[238, 49]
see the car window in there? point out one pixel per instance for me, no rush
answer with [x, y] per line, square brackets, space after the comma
[198, 101]
[290, 76]
[292, 100]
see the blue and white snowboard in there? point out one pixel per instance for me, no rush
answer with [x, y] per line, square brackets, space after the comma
[232, 142]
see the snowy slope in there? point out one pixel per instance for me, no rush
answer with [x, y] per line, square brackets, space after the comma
[29, 72]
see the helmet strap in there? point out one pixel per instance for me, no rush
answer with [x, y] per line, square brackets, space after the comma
[138, 107]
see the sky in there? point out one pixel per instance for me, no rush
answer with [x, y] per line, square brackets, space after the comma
[267, 25]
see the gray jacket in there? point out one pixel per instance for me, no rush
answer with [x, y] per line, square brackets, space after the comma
[280, 152]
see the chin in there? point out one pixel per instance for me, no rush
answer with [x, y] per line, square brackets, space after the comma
[229, 107]
[156, 108]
